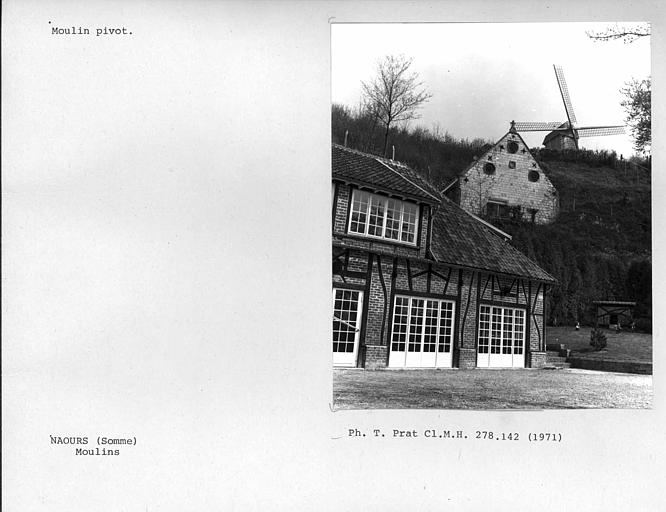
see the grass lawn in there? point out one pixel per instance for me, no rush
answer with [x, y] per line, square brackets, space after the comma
[624, 346]
[489, 389]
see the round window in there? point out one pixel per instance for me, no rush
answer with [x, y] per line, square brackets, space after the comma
[533, 176]
[512, 146]
[489, 168]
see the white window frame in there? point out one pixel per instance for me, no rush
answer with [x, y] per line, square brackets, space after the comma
[436, 357]
[347, 358]
[489, 329]
[384, 201]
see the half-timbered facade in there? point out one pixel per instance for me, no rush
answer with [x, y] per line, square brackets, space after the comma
[420, 283]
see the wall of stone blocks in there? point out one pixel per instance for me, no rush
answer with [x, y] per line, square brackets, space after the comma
[509, 185]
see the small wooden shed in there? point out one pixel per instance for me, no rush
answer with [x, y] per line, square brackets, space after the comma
[611, 313]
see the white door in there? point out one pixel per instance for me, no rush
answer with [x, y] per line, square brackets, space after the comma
[501, 337]
[422, 333]
[347, 308]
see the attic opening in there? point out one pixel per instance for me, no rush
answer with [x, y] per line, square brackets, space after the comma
[489, 168]
[512, 146]
[497, 209]
[533, 176]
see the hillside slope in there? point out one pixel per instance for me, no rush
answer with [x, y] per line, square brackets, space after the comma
[599, 247]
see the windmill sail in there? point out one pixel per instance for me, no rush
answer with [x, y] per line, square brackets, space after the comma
[538, 127]
[599, 131]
[564, 90]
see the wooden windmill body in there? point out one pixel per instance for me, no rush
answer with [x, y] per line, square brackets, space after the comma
[565, 135]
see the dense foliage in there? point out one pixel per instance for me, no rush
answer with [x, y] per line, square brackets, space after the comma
[600, 244]
[638, 106]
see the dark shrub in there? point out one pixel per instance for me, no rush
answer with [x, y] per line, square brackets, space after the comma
[644, 325]
[598, 339]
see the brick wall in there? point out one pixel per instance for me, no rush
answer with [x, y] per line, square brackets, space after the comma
[341, 206]
[467, 358]
[376, 358]
[536, 319]
[379, 302]
[511, 186]
[537, 359]
[467, 309]
[611, 366]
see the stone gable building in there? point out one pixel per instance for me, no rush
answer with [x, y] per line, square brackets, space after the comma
[506, 182]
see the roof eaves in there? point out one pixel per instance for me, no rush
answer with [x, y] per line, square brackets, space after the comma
[504, 235]
[379, 188]
[548, 279]
[449, 185]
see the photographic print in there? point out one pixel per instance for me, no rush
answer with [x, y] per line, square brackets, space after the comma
[491, 215]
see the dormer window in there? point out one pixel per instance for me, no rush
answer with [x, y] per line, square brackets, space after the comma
[383, 217]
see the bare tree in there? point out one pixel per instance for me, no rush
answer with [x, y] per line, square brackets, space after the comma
[627, 33]
[395, 94]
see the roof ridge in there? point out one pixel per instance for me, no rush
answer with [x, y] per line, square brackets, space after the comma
[383, 159]
[352, 150]
[439, 199]
[447, 187]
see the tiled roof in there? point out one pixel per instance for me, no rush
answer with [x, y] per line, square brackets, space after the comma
[364, 169]
[460, 239]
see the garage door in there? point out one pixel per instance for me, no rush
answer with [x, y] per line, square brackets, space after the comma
[501, 337]
[347, 307]
[422, 333]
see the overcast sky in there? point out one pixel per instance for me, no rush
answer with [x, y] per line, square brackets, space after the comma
[481, 76]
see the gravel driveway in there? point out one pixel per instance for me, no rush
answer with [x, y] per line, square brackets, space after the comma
[489, 389]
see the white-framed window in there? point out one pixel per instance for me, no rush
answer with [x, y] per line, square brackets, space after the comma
[383, 217]
[422, 325]
[346, 313]
[501, 330]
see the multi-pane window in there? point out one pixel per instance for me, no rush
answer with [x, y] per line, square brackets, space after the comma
[383, 217]
[501, 330]
[345, 320]
[422, 325]
[518, 331]
[415, 326]
[400, 323]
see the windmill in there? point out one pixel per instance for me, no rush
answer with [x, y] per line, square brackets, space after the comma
[565, 135]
